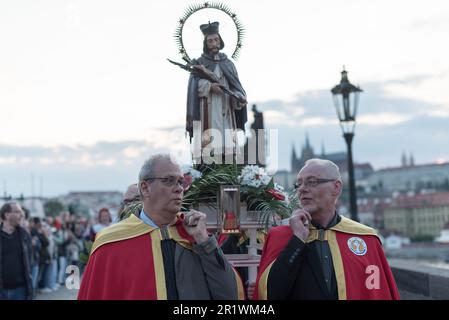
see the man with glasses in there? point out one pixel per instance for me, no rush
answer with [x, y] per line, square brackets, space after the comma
[161, 253]
[320, 254]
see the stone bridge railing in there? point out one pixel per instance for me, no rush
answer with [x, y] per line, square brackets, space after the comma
[418, 281]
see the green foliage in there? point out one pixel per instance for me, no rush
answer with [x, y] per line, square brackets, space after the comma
[205, 189]
[422, 238]
[85, 254]
[257, 199]
[131, 208]
[53, 207]
[77, 208]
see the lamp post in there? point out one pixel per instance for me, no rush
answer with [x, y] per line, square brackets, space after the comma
[346, 100]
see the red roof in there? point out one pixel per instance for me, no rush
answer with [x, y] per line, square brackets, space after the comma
[370, 205]
[437, 199]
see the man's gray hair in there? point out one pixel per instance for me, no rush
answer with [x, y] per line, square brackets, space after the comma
[328, 166]
[147, 170]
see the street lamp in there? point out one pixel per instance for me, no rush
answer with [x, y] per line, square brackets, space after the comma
[346, 100]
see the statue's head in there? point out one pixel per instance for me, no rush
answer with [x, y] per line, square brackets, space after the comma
[213, 42]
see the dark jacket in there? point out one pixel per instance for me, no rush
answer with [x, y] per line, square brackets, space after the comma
[25, 243]
[44, 256]
[299, 266]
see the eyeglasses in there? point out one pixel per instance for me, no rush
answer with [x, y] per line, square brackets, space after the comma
[169, 181]
[311, 182]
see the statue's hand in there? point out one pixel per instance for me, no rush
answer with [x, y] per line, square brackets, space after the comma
[242, 100]
[200, 67]
[216, 88]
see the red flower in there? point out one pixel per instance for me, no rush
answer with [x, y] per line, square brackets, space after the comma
[276, 194]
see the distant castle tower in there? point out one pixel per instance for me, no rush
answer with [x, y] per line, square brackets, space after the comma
[307, 151]
[293, 158]
[412, 160]
[306, 154]
[403, 160]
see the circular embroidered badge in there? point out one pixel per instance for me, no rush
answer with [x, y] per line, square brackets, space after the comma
[357, 246]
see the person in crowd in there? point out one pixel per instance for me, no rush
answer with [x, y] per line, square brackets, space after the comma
[63, 237]
[15, 255]
[104, 220]
[49, 274]
[35, 251]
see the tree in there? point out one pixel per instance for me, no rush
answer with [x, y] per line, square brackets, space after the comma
[77, 208]
[53, 207]
[446, 184]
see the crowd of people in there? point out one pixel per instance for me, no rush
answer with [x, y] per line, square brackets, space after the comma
[35, 252]
[318, 255]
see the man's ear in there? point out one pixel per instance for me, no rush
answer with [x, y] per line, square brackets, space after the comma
[338, 187]
[145, 189]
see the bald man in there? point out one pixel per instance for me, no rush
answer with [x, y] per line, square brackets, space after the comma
[320, 254]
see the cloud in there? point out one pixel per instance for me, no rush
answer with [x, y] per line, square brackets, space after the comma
[133, 151]
[389, 122]
[391, 102]
[62, 169]
[105, 165]
[430, 24]
[100, 154]
[429, 89]
[382, 119]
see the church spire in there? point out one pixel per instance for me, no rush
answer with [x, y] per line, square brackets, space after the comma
[307, 151]
[412, 160]
[403, 160]
[294, 159]
[307, 141]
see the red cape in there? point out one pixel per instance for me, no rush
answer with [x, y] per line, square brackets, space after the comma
[115, 271]
[361, 269]
[126, 262]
